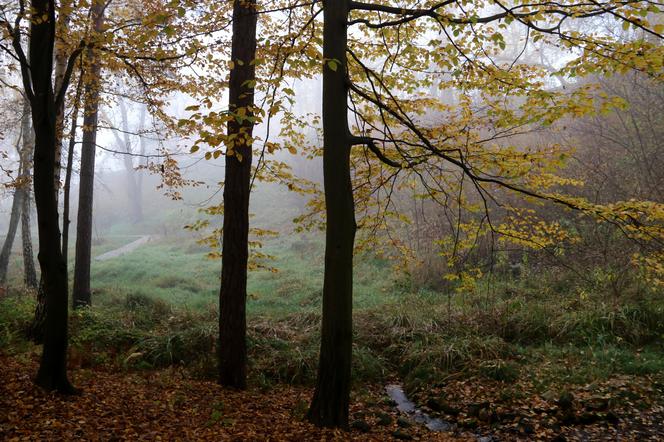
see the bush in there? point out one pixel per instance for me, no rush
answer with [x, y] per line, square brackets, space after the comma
[16, 313]
[177, 347]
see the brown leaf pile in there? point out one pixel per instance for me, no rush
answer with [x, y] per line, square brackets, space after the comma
[163, 405]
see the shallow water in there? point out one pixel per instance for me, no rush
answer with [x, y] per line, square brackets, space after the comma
[405, 406]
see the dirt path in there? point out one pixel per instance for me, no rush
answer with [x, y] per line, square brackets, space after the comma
[124, 249]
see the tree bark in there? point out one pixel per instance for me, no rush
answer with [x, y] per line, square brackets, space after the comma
[52, 374]
[329, 406]
[29, 271]
[64, 14]
[70, 162]
[235, 253]
[17, 205]
[37, 328]
[81, 292]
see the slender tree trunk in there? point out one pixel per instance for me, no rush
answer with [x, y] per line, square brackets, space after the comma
[52, 374]
[17, 205]
[329, 406]
[70, 162]
[133, 190]
[64, 14]
[21, 192]
[29, 271]
[233, 292]
[81, 292]
[139, 175]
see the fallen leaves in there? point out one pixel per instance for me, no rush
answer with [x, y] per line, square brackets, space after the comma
[167, 405]
[620, 408]
[164, 405]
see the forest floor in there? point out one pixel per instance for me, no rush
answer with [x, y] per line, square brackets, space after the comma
[540, 357]
[165, 405]
[168, 405]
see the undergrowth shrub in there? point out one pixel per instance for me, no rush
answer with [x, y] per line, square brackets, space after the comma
[146, 309]
[16, 312]
[177, 347]
[284, 351]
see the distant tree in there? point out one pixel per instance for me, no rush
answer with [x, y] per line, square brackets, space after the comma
[21, 192]
[133, 179]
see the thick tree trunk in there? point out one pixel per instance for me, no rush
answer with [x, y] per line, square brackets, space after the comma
[329, 406]
[52, 374]
[233, 292]
[81, 292]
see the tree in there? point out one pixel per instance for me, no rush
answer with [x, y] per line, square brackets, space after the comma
[329, 406]
[36, 73]
[233, 127]
[133, 179]
[29, 272]
[237, 186]
[17, 205]
[81, 291]
[66, 221]
[390, 61]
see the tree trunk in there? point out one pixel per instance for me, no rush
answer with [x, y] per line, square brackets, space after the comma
[29, 271]
[329, 406]
[70, 162]
[64, 14]
[233, 292]
[139, 175]
[52, 374]
[17, 205]
[81, 292]
[134, 195]
[37, 328]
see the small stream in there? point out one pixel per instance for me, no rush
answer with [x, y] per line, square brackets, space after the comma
[404, 405]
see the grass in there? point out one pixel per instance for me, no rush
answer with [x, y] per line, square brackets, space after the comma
[156, 306]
